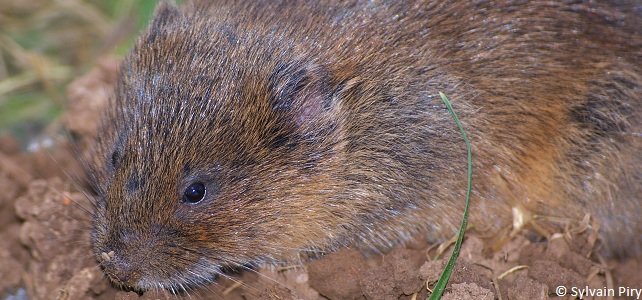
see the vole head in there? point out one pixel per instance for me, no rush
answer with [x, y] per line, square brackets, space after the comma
[216, 151]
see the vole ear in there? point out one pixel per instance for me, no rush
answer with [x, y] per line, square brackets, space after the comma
[301, 92]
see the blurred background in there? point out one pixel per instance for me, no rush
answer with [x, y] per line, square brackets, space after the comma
[46, 44]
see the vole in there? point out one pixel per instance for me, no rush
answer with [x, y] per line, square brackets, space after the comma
[265, 132]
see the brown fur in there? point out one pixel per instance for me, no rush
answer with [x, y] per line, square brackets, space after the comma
[318, 125]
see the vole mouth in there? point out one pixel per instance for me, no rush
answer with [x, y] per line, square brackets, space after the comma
[160, 275]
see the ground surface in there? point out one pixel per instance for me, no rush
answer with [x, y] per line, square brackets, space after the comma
[45, 250]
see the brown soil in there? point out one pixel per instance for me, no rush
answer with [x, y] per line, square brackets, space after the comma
[45, 221]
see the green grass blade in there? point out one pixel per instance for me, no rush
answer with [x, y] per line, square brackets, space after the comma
[445, 275]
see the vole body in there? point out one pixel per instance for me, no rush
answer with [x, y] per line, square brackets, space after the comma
[271, 131]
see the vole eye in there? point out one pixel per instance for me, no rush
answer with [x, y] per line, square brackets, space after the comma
[194, 193]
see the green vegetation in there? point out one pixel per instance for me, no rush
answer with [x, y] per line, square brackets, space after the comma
[45, 44]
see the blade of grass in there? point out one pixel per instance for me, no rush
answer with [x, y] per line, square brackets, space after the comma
[445, 275]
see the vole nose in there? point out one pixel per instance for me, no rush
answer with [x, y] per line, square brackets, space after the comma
[119, 270]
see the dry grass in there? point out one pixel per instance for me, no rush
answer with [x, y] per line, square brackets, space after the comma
[45, 44]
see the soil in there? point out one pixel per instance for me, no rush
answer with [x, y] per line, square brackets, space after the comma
[45, 220]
